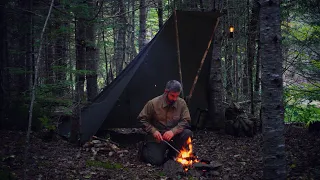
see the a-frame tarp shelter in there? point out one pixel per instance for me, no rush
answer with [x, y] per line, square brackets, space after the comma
[119, 104]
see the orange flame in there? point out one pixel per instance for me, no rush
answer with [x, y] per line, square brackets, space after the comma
[186, 157]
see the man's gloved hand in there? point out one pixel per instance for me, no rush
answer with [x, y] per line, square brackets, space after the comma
[168, 135]
[157, 135]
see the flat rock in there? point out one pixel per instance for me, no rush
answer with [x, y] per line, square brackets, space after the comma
[172, 168]
[203, 166]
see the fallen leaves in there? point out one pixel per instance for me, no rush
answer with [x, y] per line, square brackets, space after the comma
[241, 158]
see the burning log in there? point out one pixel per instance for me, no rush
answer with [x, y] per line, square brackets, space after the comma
[187, 163]
[186, 157]
[189, 160]
[203, 168]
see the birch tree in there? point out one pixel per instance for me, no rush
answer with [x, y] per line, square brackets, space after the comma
[274, 165]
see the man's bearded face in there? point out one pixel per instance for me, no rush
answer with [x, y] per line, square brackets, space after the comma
[172, 97]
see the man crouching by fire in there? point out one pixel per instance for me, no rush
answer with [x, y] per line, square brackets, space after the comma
[165, 118]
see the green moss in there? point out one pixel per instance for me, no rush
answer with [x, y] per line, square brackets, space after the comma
[162, 174]
[106, 165]
[5, 174]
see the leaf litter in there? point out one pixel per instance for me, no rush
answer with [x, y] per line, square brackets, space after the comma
[239, 157]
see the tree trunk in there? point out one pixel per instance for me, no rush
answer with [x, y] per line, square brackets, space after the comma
[160, 13]
[3, 64]
[236, 72]
[91, 55]
[60, 53]
[107, 81]
[31, 44]
[120, 44]
[245, 78]
[132, 33]
[216, 108]
[251, 49]
[70, 65]
[30, 50]
[80, 57]
[49, 60]
[228, 59]
[228, 67]
[258, 71]
[21, 63]
[272, 91]
[142, 24]
[257, 82]
[80, 78]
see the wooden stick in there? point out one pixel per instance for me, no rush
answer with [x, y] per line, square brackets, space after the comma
[101, 139]
[105, 140]
[178, 48]
[202, 60]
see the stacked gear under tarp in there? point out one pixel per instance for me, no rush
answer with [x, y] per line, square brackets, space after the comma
[145, 77]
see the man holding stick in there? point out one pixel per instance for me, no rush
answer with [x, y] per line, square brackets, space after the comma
[166, 119]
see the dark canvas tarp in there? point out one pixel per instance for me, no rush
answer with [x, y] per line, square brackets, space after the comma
[119, 104]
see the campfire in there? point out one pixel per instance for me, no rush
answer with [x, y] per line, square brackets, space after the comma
[191, 164]
[186, 157]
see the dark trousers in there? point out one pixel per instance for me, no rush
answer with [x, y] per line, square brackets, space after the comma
[155, 153]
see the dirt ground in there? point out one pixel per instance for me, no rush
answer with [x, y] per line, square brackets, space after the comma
[240, 158]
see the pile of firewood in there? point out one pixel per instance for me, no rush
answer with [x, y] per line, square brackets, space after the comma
[239, 123]
[104, 146]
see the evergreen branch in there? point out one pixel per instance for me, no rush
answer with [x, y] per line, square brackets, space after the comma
[23, 10]
[85, 19]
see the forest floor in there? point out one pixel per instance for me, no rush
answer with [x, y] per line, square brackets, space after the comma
[240, 158]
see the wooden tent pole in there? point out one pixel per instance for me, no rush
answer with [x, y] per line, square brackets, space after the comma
[178, 49]
[201, 63]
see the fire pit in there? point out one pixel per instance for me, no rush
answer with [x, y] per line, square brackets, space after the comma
[186, 157]
[191, 164]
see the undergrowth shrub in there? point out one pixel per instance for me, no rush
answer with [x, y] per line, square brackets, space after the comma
[302, 104]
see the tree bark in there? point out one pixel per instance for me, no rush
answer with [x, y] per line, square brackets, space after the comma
[142, 24]
[236, 71]
[258, 71]
[132, 33]
[49, 61]
[160, 13]
[3, 64]
[80, 57]
[31, 63]
[107, 81]
[60, 53]
[274, 166]
[228, 59]
[216, 108]
[91, 55]
[22, 80]
[228, 67]
[251, 49]
[120, 45]
[80, 77]
[245, 78]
